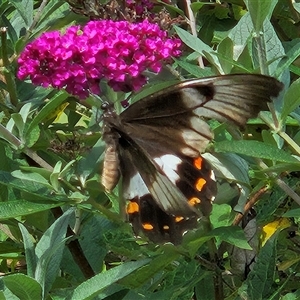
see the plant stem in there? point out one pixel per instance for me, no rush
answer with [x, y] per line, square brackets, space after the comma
[35, 20]
[288, 190]
[290, 141]
[259, 41]
[192, 23]
[281, 183]
[281, 133]
[213, 255]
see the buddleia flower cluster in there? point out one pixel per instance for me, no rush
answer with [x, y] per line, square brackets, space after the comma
[116, 51]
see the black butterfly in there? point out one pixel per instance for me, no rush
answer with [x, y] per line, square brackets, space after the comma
[156, 143]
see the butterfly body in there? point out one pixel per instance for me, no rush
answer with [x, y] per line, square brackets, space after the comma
[156, 146]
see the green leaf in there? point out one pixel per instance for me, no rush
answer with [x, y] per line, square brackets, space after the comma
[240, 35]
[296, 6]
[7, 247]
[49, 251]
[44, 113]
[195, 6]
[24, 111]
[17, 208]
[234, 169]
[233, 235]
[255, 149]
[289, 296]
[291, 100]
[267, 49]
[172, 8]
[24, 287]
[2, 295]
[225, 49]
[90, 288]
[193, 69]
[43, 172]
[10, 29]
[204, 290]
[118, 292]
[74, 118]
[93, 244]
[280, 168]
[67, 168]
[52, 12]
[295, 69]
[273, 47]
[261, 278]
[37, 188]
[286, 62]
[266, 209]
[259, 11]
[54, 177]
[293, 213]
[140, 277]
[25, 9]
[221, 215]
[196, 239]
[230, 63]
[33, 177]
[19, 123]
[29, 250]
[5, 292]
[197, 45]
[152, 89]
[33, 136]
[271, 138]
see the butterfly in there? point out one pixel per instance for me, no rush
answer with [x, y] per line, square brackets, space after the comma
[156, 146]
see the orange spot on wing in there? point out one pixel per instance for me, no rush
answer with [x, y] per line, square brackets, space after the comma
[166, 227]
[132, 208]
[147, 226]
[178, 219]
[200, 184]
[193, 201]
[198, 162]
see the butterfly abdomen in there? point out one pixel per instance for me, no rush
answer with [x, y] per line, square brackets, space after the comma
[110, 172]
[111, 165]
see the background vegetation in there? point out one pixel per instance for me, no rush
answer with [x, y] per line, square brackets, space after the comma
[51, 152]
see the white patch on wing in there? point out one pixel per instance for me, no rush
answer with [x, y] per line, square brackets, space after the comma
[191, 97]
[198, 135]
[136, 187]
[168, 164]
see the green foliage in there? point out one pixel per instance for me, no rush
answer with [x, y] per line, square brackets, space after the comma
[61, 234]
[91, 287]
[260, 280]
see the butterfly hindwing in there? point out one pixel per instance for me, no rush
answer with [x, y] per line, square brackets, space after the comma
[155, 224]
[195, 186]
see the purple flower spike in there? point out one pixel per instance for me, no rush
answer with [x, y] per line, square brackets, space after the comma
[118, 52]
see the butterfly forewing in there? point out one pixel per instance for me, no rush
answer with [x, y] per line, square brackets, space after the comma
[173, 115]
[159, 140]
